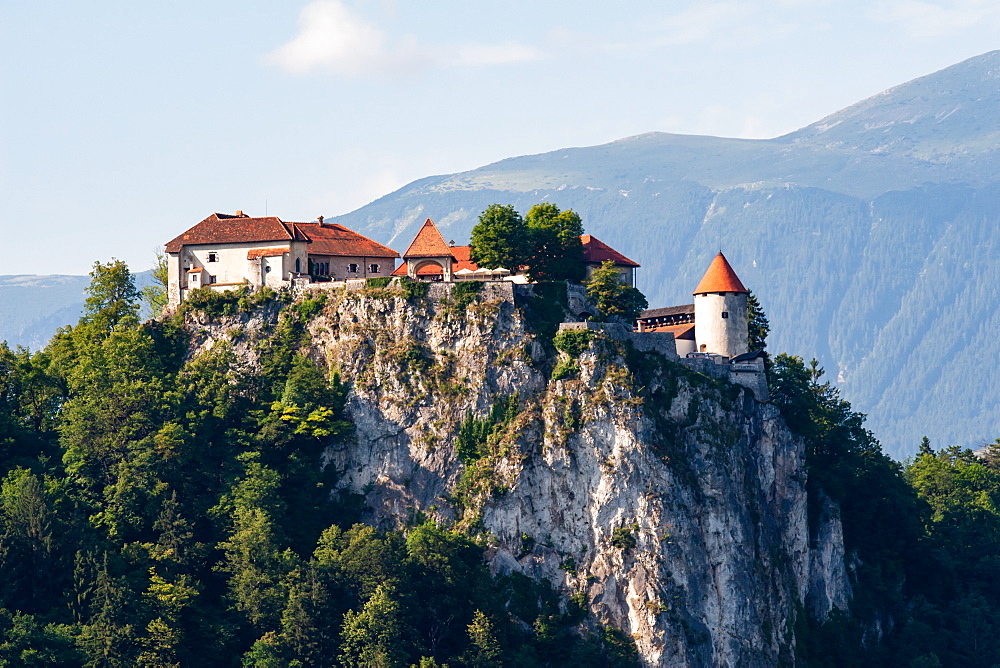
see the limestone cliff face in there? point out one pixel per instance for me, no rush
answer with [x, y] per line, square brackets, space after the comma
[675, 502]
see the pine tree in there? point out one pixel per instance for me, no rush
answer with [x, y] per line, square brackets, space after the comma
[758, 326]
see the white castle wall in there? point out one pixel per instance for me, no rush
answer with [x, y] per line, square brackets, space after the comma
[721, 323]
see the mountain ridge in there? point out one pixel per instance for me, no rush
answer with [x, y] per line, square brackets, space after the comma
[837, 237]
[858, 235]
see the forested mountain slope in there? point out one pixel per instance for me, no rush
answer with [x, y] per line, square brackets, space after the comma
[870, 237]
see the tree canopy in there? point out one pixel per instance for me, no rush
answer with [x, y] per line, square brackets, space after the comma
[500, 239]
[160, 510]
[545, 243]
[614, 298]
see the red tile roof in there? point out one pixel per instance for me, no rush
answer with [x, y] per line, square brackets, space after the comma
[460, 256]
[428, 243]
[720, 277]
[462, 259]
[255, 253]
[333, 239]
[596, 251]
[685, 332]
[221, 228]
[323, 239]
[426, 270]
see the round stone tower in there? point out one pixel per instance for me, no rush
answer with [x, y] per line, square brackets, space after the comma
[720, 311]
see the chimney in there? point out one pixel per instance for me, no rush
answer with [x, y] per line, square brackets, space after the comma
[320, 219]
[239, 212]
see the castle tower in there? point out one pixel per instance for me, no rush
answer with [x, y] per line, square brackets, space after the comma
[720, 311]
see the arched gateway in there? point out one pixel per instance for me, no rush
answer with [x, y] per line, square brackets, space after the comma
[428, 249]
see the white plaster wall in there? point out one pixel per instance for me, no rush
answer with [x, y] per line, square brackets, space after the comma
[725, 336]
[274, 269]
[685, 346]
[232, 264]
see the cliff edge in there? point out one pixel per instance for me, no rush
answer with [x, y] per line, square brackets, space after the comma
[670, 503]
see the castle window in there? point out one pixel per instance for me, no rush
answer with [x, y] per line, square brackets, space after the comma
[213, 257]
[211, 279]
[353, 268]
[373, 268]
[267, 269]
[725, 314]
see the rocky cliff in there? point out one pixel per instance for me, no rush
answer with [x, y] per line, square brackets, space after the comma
[672, 503]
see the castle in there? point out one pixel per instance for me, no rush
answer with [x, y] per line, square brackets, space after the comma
[717, 320]
[226, 251]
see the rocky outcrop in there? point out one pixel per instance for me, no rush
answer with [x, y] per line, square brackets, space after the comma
[674, 502]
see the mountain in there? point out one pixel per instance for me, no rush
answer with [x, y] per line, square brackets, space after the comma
[34, 307]
[870, 237]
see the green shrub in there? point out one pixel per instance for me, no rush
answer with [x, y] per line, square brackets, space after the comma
[310, 306]
[413, 289]
[624, 537]
[573, 342]
[380, 282]
[565, 368]
[474, 432]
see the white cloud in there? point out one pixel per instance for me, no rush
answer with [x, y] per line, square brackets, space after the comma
[924, 18]
[334, 38]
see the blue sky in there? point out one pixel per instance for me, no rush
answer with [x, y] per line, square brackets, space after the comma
[124, 123]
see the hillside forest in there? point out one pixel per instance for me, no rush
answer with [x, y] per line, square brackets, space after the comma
[159, 508]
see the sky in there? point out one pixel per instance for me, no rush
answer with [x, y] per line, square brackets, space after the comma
[124, 123]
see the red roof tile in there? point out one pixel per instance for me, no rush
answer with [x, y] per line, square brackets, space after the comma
[685, 332]
[221, 228]
[461, 259]
[255, 253]
[461, 255]
[720, 277]
[428, 243]
[596, 251]
[333, 239]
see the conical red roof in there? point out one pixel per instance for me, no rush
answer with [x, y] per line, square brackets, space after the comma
[720, 277]
[428, 243]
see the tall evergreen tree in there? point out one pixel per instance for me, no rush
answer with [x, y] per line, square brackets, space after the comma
[757, 324]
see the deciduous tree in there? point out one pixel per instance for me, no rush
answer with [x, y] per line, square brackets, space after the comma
[613, 297]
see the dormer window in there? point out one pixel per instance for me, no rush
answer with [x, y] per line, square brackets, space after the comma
[373, 269]
[213, 257]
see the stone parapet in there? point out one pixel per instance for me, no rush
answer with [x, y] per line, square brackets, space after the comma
[660, 342]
